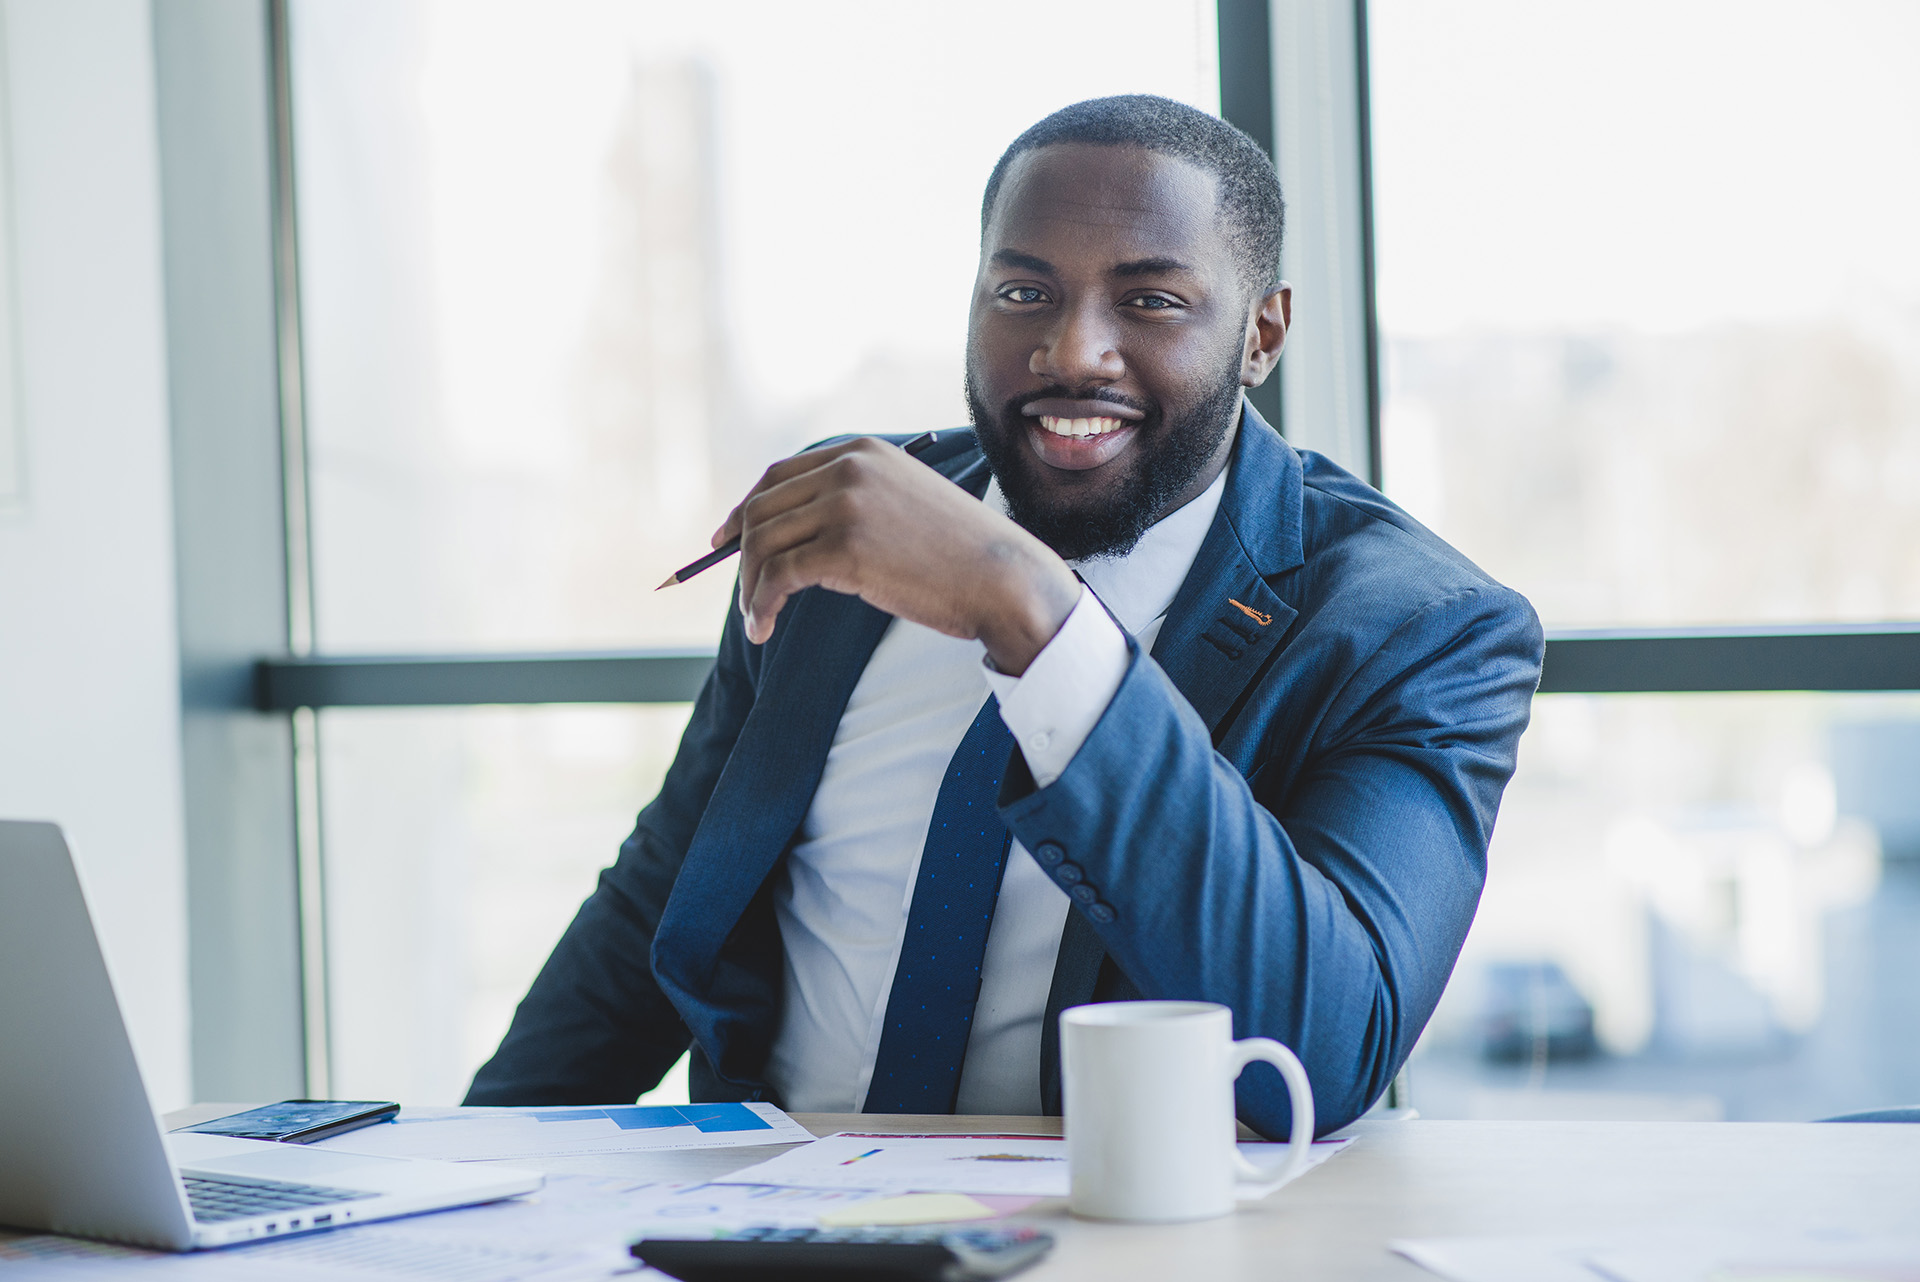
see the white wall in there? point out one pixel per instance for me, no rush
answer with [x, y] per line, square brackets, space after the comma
[89, 679]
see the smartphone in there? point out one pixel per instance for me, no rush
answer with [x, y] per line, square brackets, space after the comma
[300, 1121]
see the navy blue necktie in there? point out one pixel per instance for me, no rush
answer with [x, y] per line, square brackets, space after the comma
[937, 980]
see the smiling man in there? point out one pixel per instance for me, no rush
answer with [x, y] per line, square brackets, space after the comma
[1121, 697]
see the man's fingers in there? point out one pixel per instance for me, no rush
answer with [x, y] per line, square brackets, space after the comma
[767, 539]
[729, 528]
[800, 527]
[778, 480]
[826, 494]
[799, 465]
[804, 565]
[770, 501]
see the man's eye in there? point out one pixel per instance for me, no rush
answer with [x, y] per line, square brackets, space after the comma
[1022, 294]
[1151, 302]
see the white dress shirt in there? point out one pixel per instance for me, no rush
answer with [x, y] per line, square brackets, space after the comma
[846, 888]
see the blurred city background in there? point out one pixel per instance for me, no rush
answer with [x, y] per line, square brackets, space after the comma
[573, 274]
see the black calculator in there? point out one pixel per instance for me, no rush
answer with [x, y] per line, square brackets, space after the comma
[946, 1254]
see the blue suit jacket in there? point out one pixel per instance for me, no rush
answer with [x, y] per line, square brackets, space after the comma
[1285, 809]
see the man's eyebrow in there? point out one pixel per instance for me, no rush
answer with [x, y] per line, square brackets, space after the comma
[1026, 262]
[1150, 267]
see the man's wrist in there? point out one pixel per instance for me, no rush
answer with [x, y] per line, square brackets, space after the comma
[1054, 705]
[1030, 613]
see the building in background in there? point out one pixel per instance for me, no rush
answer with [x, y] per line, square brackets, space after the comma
[650, 397]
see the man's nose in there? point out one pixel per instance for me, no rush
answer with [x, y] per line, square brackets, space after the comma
[1079, 348]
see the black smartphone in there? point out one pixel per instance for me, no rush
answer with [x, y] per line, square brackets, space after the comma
[300, 1121]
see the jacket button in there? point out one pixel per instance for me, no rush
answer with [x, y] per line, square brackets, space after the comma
[1102, 913]
[1049, 853]
[1084, 893]
[1068, 874]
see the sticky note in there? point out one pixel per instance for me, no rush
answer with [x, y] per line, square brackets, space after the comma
[909, 1208]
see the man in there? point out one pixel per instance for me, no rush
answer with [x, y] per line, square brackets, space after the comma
[1175, 712]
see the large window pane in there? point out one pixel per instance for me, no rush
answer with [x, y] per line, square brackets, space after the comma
[459, 843]
[1650, 297]
[1697, 906]
[575, 273]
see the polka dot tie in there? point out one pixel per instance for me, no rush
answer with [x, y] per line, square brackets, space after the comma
[937, 980]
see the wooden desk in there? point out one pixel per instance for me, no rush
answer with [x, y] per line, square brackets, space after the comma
[1442, 1179]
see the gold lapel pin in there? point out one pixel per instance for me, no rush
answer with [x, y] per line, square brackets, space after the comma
[1262, 619]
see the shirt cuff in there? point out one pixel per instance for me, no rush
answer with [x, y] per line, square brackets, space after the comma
[1053, 706]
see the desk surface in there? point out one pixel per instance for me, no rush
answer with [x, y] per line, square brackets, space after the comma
[1440, 1179]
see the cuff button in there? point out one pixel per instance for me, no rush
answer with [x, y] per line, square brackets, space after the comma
[1101, 913]
[1049, 853]
[1084, 893]
[1069, 874]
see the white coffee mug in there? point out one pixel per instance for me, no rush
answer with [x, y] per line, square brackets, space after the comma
[1149, 1109]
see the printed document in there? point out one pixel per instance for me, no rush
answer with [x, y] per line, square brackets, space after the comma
[519, 1134]
[1028, 1164]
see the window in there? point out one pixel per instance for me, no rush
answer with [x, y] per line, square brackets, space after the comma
[1650, 302]
[1650, 323]
[1697, 906]
[459, 842]
[1649, 334]
[571, 277]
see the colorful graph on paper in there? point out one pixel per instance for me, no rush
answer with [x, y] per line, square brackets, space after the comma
[509, 1134]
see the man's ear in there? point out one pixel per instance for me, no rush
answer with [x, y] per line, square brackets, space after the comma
[1267, 323]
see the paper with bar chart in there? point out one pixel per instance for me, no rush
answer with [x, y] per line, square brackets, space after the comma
[517, 1134]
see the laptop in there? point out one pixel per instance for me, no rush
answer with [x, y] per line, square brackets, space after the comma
[81, 1149]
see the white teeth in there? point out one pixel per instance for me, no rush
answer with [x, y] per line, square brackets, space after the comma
[1079, 427]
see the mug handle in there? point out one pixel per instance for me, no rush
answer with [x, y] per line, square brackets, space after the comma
[1299, 1091]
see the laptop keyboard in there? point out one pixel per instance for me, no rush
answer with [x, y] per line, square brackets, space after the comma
[231, 1199]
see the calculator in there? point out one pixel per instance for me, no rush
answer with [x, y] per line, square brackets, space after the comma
[948, 1254]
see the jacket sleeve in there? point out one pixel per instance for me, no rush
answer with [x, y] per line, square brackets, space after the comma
[1325, 894]
[595, 1027]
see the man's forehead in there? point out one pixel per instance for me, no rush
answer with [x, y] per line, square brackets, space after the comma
[1149, 201]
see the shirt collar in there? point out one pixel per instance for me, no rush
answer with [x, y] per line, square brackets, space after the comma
[1139, 586]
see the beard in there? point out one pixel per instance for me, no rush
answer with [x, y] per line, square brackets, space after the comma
[1168, 456]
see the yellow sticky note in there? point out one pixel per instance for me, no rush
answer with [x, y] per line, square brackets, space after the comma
[909, 1208]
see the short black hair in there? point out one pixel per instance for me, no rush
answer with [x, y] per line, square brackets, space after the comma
[1250, 200]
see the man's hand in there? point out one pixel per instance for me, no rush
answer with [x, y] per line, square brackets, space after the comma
[863, 518]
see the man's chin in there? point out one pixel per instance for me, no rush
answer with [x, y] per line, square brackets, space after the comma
[1078, 514]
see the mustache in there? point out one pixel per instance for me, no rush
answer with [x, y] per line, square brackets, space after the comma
[1017, 404]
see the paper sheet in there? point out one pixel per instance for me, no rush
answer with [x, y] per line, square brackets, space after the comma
[1012, 1164]
[912, 1208]
[1674, 1256]
[1805, 1259]
[497, 1134]
[1500, 1259]
[1267, 1155]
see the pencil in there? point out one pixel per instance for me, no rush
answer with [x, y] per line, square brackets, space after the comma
[916, 446]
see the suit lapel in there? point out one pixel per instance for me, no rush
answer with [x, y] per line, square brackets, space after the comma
[769, 780]
[1225, 622]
